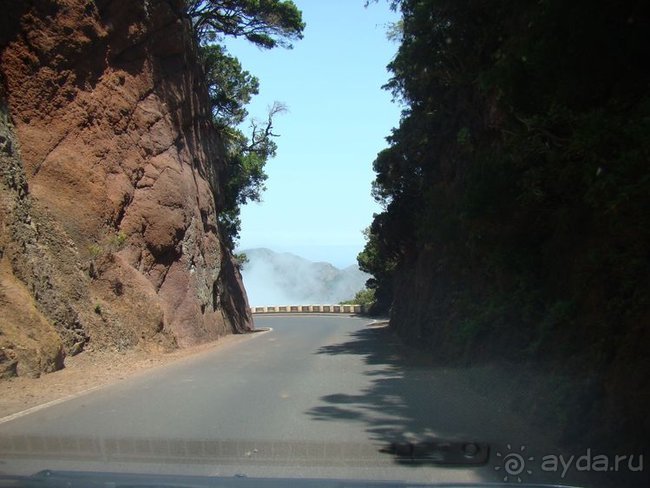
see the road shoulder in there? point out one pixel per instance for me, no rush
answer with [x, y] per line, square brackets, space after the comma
[91, 370]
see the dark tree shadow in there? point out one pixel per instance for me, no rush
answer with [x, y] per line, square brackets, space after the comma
[412, 400]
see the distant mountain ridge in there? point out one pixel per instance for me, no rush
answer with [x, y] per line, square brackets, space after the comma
[273, 278]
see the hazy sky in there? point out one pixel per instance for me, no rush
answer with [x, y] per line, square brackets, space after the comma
[318, 193]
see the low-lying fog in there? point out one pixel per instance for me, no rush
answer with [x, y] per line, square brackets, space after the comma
[274, 278]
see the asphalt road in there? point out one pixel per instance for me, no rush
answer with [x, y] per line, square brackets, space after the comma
[317, 396]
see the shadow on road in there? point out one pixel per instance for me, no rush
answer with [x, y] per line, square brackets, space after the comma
[408, 400]
[411, 399]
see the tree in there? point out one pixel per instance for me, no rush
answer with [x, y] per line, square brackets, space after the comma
[245, 174]
[365, 297]
[241, 259]
[515, 193]
[379, 259]
[230, 86]
[265, 23]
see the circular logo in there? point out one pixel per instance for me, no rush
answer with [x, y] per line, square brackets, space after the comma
[513, 464]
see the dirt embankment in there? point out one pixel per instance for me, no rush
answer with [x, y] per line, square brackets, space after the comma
[110, 186]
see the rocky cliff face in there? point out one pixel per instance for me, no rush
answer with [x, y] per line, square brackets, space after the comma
[110, 185]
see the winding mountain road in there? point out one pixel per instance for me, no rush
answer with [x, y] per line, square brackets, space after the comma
[316, 396]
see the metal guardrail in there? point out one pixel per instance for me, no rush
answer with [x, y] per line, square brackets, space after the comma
[353, 308]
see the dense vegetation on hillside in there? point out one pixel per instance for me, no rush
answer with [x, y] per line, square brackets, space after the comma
[516, 194]
[267, 24]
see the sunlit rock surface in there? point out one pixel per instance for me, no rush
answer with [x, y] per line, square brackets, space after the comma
[110, 185]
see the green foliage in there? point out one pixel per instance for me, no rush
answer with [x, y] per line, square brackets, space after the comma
[379, 261]
[244, 175]
[525, 131]
[267, 24]
[109, 244]
[365, 297]
[95, 251]
[519, 178]
[116, 242]
[240, 260]
[230, 86]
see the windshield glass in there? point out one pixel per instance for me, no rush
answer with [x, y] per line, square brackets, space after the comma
[386, 240]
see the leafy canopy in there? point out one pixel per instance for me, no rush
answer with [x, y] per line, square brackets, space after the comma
[265, 23]
[230, 86]
[525, 123]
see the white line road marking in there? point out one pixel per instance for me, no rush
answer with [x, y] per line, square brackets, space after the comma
[51, 403]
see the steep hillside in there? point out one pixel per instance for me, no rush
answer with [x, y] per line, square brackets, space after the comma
[273, 278]
[110, 185]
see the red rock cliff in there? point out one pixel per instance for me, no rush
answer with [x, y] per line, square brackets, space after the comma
[110, 185]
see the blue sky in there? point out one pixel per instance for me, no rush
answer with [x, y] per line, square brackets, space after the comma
[318, 192]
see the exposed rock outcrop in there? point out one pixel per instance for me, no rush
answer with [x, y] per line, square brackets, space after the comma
[111, 185]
